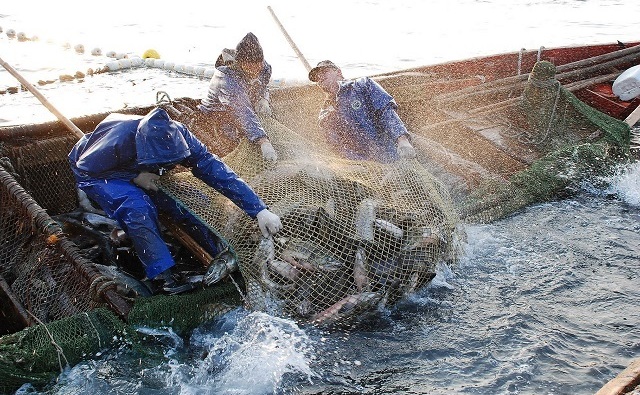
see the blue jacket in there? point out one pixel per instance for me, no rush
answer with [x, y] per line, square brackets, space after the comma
[230, 91]
[122, 146]
[362, 122]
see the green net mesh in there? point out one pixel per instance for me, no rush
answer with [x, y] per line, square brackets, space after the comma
[184, 313]
[38, 353]
[576, 142]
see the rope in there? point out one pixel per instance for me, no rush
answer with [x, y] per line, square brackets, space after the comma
[162, 98]
[553, 114]
[538, 83]
[520, 54]
[53, 342]
[96, 289]
[539, 56]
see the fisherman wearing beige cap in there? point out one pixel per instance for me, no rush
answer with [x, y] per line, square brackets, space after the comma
[359, 117]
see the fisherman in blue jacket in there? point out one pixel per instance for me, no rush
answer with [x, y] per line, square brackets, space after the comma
[359, 117]
[238, 93]
[118, 163]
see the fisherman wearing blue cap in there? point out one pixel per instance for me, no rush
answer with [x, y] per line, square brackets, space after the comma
[359, 117]
[118, 164]
[237, 94]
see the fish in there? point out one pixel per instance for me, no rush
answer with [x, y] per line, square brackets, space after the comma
[360, 277]
[393, 229]
[85, 203]
[221, 266]
[365, 218]
[126, 284]
[297, 259]
[96, 220]
[285, 269]
[349, 306]
[265, 254]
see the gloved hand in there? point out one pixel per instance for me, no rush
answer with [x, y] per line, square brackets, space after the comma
[268, 222]
[263, 108]
[146, 180]
[405, 149]
[268, 152]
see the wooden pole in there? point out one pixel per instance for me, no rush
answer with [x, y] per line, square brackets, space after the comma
[293, 45]
[70, 125]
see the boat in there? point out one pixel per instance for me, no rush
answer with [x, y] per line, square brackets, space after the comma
[485, 130]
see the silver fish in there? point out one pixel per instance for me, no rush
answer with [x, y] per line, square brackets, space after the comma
[265, 254]
[97, 220]
[360, 271]
[223, 264]
[349, 306]
[126, 284]
[393, 229]
[365, 218]
[285, 269]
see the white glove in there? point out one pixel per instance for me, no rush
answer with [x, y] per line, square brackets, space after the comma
[146, 180]
[405, 149]
[268, 222]
[263, 107]
[268, 152]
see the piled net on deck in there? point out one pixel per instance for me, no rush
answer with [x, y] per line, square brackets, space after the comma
[49, 285]
[356, 235]
[578, 142]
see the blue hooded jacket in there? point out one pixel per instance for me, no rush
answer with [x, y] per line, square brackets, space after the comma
[122, 146]
[231, 92]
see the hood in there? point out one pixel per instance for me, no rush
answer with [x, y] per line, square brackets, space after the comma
[159, 140]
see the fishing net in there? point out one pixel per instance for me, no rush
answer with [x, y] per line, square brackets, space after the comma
[49, 286]
[576, 142]
[38, 353]
[356, 235]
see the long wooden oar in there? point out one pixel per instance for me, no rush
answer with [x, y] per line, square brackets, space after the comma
[293, 45]
[70, 125]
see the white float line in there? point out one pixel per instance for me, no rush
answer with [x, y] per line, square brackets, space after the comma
[123, 65]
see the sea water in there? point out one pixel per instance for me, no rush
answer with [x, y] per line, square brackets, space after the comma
[543, 302]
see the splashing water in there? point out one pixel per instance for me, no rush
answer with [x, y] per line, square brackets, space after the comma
[626, 184]
[254, 357]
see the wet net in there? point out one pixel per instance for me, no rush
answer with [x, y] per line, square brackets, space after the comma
[52, 284]
[577, 144]
[356, 236]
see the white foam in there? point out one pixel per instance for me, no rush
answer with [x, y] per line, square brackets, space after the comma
[627, 184]
[253, 357]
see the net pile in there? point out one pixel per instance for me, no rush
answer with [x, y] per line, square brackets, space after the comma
[356, 235]
[69, 306]
[578, 144]
[40, 266]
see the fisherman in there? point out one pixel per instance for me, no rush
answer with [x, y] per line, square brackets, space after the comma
[359, 117]
[118, 164]
[238, 94]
